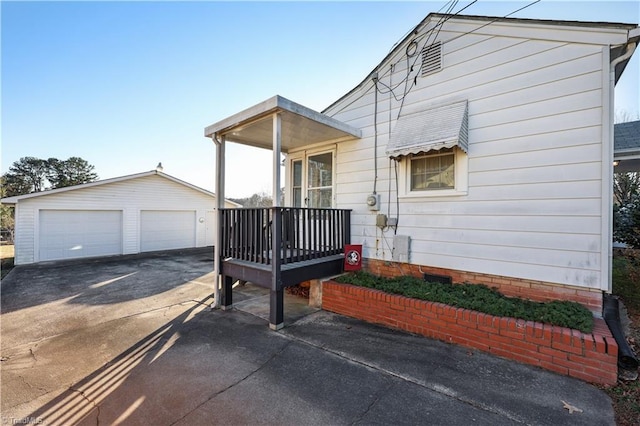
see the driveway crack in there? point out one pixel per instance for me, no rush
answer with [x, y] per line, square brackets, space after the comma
[32, 386]
[377, 398]
[232, 385]
[89, 400]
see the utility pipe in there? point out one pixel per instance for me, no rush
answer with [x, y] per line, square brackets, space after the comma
[611, 311]
[631, 47]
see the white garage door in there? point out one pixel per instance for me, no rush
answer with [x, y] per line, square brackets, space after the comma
[165, 230]
[71, 234]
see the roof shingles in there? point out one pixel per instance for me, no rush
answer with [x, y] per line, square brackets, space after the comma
[626, 136]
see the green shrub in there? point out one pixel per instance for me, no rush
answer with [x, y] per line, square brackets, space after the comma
[626, 277]
[479, 298]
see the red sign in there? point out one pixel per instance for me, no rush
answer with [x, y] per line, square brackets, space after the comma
[352, 257]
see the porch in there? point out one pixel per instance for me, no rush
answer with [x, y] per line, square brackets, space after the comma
[278, 247]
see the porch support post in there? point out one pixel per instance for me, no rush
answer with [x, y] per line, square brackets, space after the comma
[276, 307]
[277, 148]
[217, 224]
[227, 296]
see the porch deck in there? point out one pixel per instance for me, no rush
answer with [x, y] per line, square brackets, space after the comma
[309, 243]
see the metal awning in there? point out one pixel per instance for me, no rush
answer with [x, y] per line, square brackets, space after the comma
[301, 126]
[431, 128]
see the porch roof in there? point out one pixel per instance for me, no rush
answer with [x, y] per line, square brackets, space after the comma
[300, 126]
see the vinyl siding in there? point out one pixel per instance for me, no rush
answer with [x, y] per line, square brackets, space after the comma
[534, 204]
[25, 230]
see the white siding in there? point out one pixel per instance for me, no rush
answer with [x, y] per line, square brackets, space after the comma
[534, 203]
[130, 196]
[25, 231]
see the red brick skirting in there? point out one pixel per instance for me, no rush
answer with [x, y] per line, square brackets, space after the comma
[590, 357]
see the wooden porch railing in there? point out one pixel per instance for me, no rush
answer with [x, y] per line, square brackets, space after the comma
[251, 234]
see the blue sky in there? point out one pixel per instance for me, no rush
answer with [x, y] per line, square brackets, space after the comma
[126, 85]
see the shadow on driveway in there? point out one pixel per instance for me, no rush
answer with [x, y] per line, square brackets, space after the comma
[102, 281]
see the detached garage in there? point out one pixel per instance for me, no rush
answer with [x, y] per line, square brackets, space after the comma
[126, 215]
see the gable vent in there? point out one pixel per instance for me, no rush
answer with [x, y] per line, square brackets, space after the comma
[431, 58]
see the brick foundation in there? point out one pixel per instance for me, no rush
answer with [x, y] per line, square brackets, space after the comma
[512, 287]
[590, 357]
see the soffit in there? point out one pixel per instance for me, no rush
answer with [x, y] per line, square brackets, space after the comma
[300, 126]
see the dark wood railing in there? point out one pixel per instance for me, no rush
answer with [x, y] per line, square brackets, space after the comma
[296, 234]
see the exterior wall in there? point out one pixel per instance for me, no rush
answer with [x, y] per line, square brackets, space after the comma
[25, 231]
[130, 196]
[534, 205]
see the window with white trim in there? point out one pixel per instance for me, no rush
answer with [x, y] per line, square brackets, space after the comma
[312, 179]
[434, 173]
[296, 184]
[320, 180]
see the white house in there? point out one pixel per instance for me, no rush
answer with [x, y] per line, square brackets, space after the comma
[125, 215]
[480, 148]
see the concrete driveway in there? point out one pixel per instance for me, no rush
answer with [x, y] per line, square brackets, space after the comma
[132, 340]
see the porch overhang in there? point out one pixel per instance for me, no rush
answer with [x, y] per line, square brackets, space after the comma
[300, 126]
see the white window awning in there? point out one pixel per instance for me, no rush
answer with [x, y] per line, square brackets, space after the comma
[431, 128]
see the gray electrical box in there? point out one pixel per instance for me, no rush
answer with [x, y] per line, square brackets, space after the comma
[400, 248]
[373, 202]
[381, 220]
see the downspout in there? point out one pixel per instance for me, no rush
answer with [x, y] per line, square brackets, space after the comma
[627, 359]
[607, 166]
[631, 47]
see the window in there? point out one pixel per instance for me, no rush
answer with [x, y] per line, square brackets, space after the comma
[433, 172]
[437, 173]
[311, 179]
[296, 183]
[320, 180]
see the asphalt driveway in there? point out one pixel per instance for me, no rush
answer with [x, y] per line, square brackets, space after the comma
[132, 340]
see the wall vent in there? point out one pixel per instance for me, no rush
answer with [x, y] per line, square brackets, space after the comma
[433, 278]
[431, 58]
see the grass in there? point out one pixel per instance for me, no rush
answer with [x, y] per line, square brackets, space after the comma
[6, 259]
[479, 298]
[626, 285]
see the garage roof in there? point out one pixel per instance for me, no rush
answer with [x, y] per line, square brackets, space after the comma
[15, 199]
